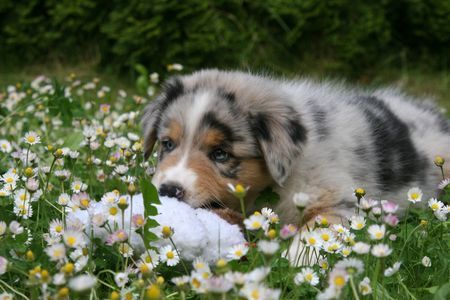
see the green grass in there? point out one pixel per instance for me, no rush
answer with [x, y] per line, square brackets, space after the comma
[60, 122]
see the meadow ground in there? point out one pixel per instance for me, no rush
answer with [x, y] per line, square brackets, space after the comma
[71, 141]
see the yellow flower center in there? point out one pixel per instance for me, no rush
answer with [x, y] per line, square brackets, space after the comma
[199, 265]
[238, 253]
[324, 221]
[148, 259]
[196, 283]
[58, 228]
[31, 139]
[255, 294]
[57, 253]
[9, 180]
[84, 202]
[144, 268]
[113, 211]
[339, 281]
[359, 225]
[77, 187]
[379, 235]
[312, 241]
[414, 196]
[239, 189]
[153, 292]
[309, 277]
[170, 255]
[71, 240]
[256, 224]
[166, 231]
[68, 268]
[121, 235]
[434, 206]
[325, 236]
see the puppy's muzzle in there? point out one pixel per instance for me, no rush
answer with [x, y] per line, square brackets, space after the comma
[172, 190]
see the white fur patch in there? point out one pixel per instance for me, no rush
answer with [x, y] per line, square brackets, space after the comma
[178, 173]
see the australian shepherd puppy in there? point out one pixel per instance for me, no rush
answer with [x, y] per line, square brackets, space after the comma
[323, 139]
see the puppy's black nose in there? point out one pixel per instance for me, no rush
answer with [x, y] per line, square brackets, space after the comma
[171, 190]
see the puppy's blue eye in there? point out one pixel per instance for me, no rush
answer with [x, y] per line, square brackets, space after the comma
[167, 145]
[219, 155]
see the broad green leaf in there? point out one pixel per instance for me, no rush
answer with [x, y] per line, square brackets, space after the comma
[149, 192]
[443, 292]
[150, 197]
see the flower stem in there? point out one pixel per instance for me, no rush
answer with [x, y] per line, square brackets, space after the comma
[354, 290]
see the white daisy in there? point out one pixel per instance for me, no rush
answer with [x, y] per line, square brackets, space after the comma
[254, 291]
[78, 186]
[434, 204]
[306, 275]
[255, 222]
[82, 283]
[444, 183]
[169, 256]
[236, 252]
[10, 178]
[268, 247]
[361, 248]
[376, 232]
[426, 261]
[5, 146]
[301, 200]
[73, 239]
[381, 250]
[392, 270]
[365, 287]
[121, 279]
[63, 199]
[357, 222]
[32, 138]
[312, 239]
[56, 252]
[351, 265]
[415, 195]
[56, 227]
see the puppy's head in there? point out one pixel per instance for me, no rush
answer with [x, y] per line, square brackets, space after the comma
[213, 128]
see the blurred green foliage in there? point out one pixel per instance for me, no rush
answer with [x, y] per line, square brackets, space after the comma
[336, 35]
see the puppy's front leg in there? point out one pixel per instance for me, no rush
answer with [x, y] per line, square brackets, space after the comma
[301, 251]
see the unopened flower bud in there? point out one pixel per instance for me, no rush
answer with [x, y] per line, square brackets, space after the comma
[271, 234]
[122, 203]
[360, 192]
[30, 255]
[29, 172]
[58, 153]
[439, 161]
[167, 232]
[131, 188]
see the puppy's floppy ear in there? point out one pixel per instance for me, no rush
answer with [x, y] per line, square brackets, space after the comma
[280, 135]
[151, 118]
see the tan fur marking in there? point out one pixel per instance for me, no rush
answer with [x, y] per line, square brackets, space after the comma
[168, 162]
[324, 206]
[211, 138]
[175, 131]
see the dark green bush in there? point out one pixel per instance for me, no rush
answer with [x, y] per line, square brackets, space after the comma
[342, 35]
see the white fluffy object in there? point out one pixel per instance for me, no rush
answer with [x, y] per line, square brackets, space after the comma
[197, 232]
